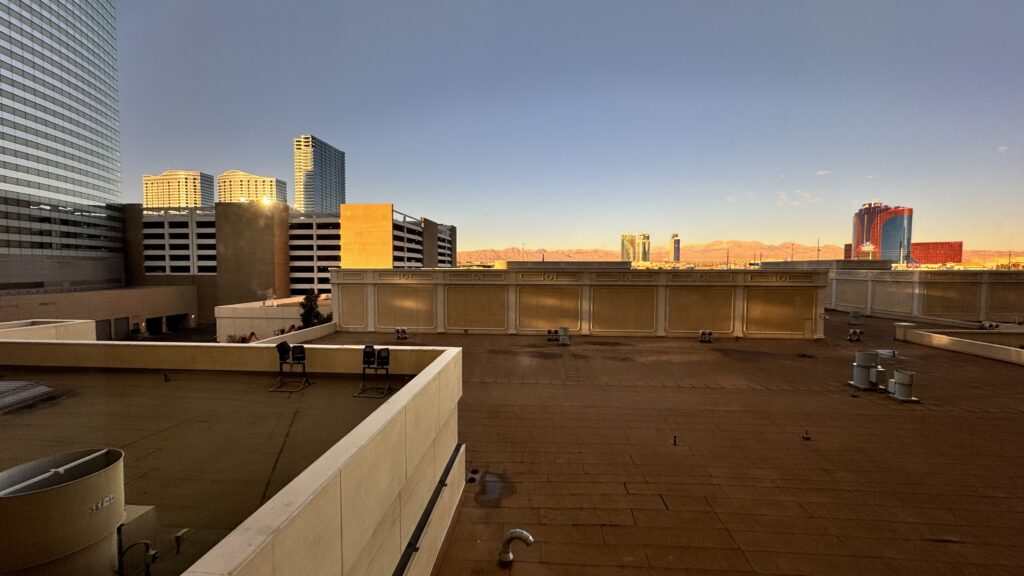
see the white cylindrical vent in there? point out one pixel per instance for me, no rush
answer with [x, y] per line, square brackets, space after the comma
[903, 381]
[878, 376]
[865, 361]
[63, 512]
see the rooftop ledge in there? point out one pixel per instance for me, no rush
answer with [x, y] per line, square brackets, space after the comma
[357, 505]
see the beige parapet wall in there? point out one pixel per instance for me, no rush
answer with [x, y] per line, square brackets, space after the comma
[259, 357]
[265, 318]
[136, 304]
[753, 304]
[354, 510]
[951, 296]
[1005, 346]
[48, 330]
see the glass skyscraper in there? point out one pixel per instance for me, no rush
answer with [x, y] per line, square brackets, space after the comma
[60, 160]
[319, 176]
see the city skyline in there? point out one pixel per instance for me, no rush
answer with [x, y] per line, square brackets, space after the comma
[768, 122]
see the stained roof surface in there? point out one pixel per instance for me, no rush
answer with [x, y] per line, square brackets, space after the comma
[665, 456]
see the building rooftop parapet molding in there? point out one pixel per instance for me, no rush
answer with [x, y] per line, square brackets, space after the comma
[546, 265]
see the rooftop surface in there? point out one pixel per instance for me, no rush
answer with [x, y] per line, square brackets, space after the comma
[628, 456]
[205, 448]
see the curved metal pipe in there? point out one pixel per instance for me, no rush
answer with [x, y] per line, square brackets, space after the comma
[505, 556]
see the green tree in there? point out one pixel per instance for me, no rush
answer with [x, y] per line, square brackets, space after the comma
[311, 315]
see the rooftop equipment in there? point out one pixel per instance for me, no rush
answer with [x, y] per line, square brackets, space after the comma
[291, 356]
[865, 361]
[377, 361]
[63, 512]
[16, 393]
[902, 385]
[505, 557]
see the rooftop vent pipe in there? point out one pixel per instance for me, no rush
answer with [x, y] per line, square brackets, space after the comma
[903, 386]
[505, 555]
[864, 362]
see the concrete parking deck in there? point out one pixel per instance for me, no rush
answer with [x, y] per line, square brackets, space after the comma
[664, 456]
[205, 448]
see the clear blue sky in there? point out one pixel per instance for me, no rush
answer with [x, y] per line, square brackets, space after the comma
[562, 124]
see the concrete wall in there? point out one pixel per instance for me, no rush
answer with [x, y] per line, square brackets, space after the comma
[941, 296]
[1005, 346]
[599, 302]
[130, 305]
[353, 511]
[366, 235]
[48, 330]
[429, 243]
[259, 357]
[252, 251]
[266, 318]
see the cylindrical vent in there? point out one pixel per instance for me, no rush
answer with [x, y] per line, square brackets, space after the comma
[903, 381]
[867, 358]
[878, 376]
[865, 361]
[63, 512]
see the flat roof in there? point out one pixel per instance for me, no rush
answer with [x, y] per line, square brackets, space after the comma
[667, 456]
[205, 448]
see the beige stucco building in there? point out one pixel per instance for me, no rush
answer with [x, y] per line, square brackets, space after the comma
[177, 189]
[238, 186]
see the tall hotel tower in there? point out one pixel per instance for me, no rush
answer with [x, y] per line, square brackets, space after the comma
[883, 232]
[319, 176]
[238, 186]
[177, 189]
[60, 160]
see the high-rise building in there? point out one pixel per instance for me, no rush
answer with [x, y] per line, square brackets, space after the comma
[60, 159]
[673, 246]
[177, 189]
[319, 176]
[238, 186]
[643, 247]
[628, 248]
[882, 232]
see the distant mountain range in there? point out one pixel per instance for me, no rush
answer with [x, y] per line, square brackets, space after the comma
[738, 250]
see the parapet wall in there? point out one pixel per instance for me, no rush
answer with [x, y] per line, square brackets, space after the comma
[1005, 346]
[260, 357]
[751, 304]
[48, 330]
[944, 296]
[355, 510]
